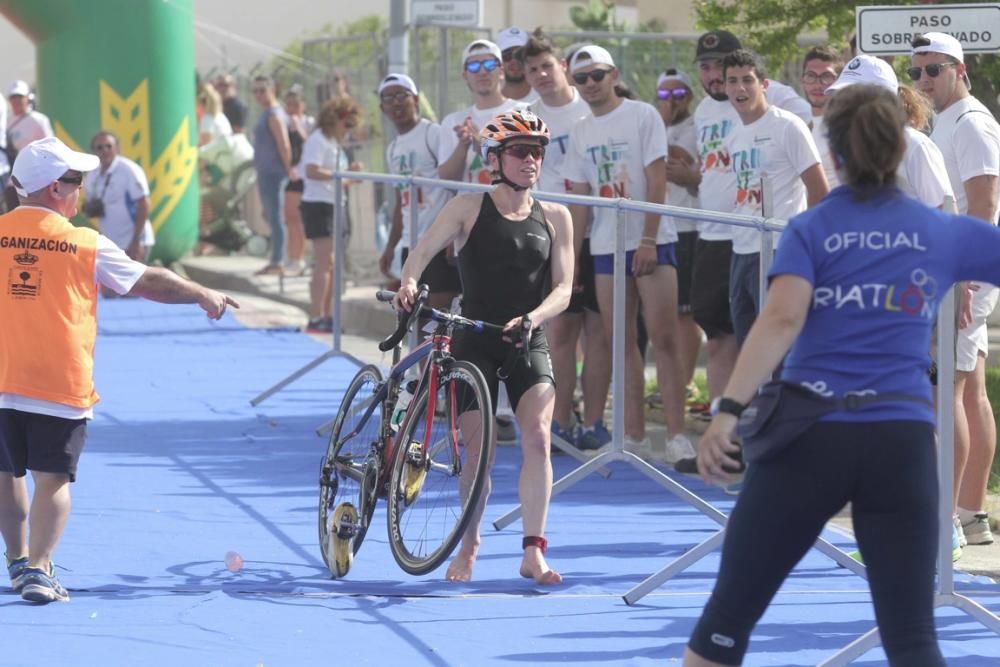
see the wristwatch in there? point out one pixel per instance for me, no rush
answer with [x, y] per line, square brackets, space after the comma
[726, 406]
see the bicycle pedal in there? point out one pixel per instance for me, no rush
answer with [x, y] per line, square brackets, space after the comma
[414, 474]
[345, 527]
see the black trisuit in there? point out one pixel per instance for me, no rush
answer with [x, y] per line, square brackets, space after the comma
[505, 266]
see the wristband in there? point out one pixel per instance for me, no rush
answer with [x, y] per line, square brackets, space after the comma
[728, 406]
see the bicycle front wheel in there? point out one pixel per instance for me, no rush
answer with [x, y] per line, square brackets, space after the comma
[348, 472]
[439, 468]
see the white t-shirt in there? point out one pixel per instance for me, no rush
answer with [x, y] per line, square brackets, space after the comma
[28, 127]
[215, 126]
[777, 146]
[969, 139]
[325, 153]
[611, 152]
[120, 188]
[560, 121]
[683, 135]
[528, 99]
[922, 173]
[113, 269]
[825, 156]
[476, 170]
[414, 153]
[714, 120]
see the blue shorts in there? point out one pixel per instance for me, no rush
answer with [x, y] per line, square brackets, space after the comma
[665, 256]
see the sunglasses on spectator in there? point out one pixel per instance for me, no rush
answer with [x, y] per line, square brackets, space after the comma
[474, 66]
[596, 74]
[667, 93]
[522, 151]
[259, 90]
[510, 54]
[826, 78]
[399, 97]
[932, 70]
[72, 180]
[103, 147]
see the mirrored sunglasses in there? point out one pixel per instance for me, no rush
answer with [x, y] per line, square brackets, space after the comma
[668, 93]
[473, 67]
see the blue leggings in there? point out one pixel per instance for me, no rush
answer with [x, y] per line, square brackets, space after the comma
[887, 471]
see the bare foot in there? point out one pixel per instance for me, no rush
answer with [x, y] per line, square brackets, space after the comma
[460, 568]
[533, 566]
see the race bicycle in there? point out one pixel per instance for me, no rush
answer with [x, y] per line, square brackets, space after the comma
[430, 464]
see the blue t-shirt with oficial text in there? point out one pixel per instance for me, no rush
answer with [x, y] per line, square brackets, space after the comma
[879, 268]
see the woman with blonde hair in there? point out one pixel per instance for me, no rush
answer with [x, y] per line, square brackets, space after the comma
[323, 157]
[213, 122]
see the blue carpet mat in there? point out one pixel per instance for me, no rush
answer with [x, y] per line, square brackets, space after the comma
[179, 469]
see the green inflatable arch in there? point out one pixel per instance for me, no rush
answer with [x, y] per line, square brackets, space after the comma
[126, 66]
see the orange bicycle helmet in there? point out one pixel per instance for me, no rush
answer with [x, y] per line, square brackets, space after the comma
[510, 125]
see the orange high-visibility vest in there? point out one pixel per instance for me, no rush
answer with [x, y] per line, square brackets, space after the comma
[48, 307]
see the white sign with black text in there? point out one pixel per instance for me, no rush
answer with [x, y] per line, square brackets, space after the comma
[888, 30]
[458, 12]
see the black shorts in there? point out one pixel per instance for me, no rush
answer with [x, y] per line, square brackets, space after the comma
[587, 296]
[440, 274]
[685, 249]
[317, 219]
[710, 287]
[295, 186]
[488, 353]
[30, 441]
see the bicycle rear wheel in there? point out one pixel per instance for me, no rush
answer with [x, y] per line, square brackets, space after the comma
[438, 475]
[347, 475]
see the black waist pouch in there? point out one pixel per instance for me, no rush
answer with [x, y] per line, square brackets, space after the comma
[782, 411]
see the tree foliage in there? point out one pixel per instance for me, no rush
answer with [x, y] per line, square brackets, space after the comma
[773, 27]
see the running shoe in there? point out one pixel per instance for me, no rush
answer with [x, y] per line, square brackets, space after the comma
[320, 325]
[641, 448]
[978, 530]
[593, 439]
[42, 587]
[962, 541]
[678, 448]
[568, 437]
[16, 568]
[687, 466]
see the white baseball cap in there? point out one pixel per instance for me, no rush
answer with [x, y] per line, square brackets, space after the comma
[511, 38]
[397, 80]
[591, 54]
[43, 161]
[677, 75]
[19, 88]
[866, 69]
[941, 43]
[481, 46]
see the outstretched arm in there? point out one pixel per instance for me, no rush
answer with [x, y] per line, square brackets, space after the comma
[164, 286]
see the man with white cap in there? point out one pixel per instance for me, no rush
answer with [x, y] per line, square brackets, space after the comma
[620, 151]
[969, 139]
[47, 350]
[675, 94]
[561, 107]
[515, 87]
[922, 172]
[482, 70]
[24, 125]
[414, 153]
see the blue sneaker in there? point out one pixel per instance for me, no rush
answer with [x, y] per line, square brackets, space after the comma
[16, 568]
[41, 586]
[569, 437]
[593, 438]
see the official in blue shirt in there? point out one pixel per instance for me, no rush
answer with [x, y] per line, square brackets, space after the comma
[853, 294]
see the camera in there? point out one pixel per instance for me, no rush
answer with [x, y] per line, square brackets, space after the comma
[93, 208]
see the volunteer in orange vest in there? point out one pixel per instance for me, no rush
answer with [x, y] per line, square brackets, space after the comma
[49, 304]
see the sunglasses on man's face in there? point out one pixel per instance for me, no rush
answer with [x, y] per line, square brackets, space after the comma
[596, 74]
[398, 98]
[932, 70]
[473, 67]
[826, 78]
[510, 54]
[522, 151]
[668, 93]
